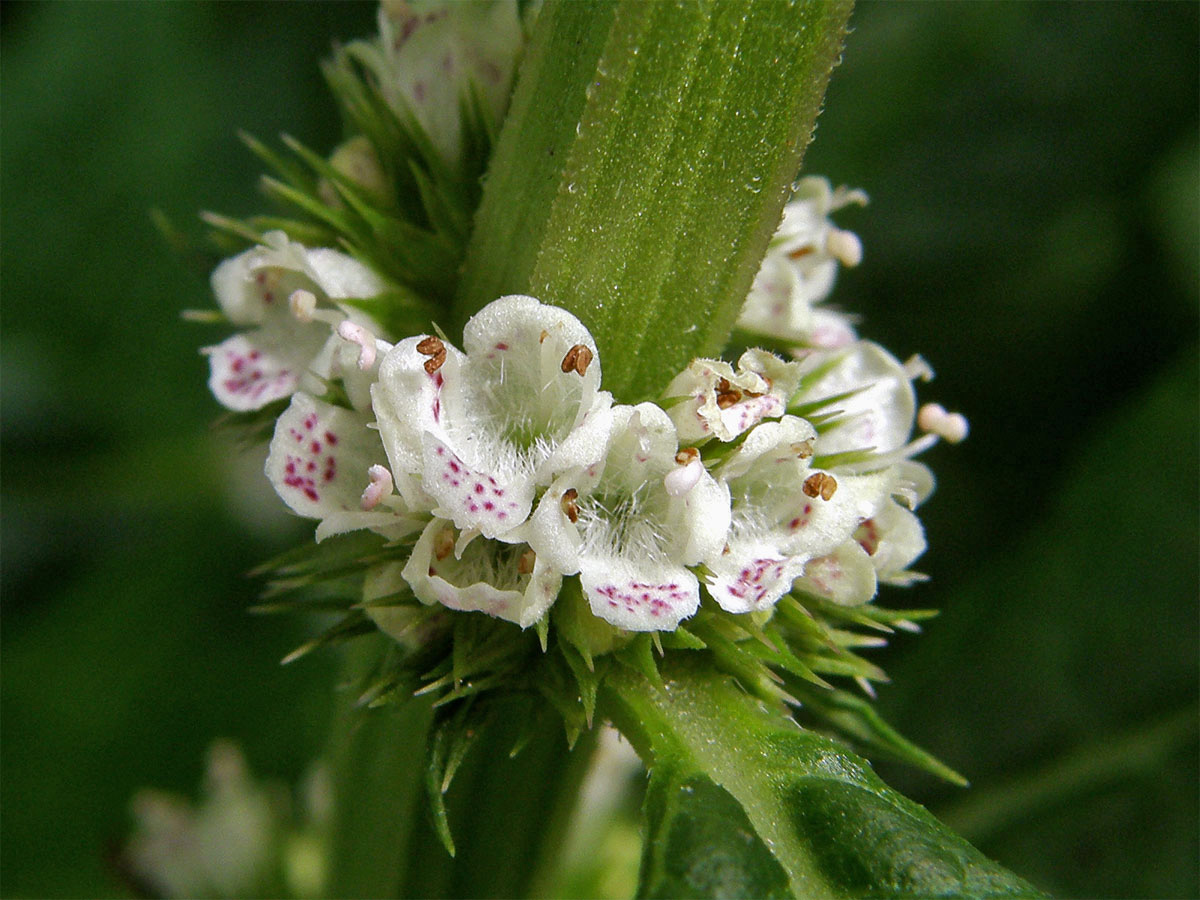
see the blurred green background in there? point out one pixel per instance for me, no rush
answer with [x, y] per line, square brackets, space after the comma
[1033, 232]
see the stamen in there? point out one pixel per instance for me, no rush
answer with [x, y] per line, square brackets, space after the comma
[542, 337]
[915, 367]
[950, 427]
[578, 359]
[356, 334]
[801, 252]
[679, 481]
[844, 246]
[820, 485]
[569, 505]
[303, 304]
[443, 544]
[525, 563]
[727, 394]
[380, 486]
[844, 196]
[686, 455]
[803, 449]
[435, 350]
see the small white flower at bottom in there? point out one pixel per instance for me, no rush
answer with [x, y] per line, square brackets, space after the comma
[472, 574]
[630, 526]
[784, 514]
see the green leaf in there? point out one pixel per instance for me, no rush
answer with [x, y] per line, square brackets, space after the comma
[643, 166]
[699, 843]
[738, 786]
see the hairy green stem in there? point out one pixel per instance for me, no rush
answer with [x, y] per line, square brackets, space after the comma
[643, 167]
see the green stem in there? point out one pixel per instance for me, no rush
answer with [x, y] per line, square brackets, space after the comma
[643, 167]
[507, 814]
[743, 802]
[376, 759]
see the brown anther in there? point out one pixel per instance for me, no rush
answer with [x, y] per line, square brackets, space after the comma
[686, 455]
[569, 507]
[542, 337]
[525, 563]
[726, 399]
[435, 362]
[443, 545]
[430, 346]
[820, 485]
[435, 350]
[800, 252]
[727, 394]
[803, 449]
[578, 359]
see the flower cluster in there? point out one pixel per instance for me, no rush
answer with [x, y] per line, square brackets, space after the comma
[752, 508]
[501, 469]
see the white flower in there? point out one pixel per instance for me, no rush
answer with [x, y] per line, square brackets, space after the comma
[632, 520]
[800, 267]
[472, 574]
[893, 538]
[320, 460]
[225, 846]
[879, 551]
[254, 368]
[475, 434]
[867, 392]
[784, 513]
[432, 53]
[719, 402]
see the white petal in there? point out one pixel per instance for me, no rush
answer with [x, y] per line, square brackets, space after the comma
[831, 329]
[893, 538]
[789, 438]
[389, 523]
[471, 497]
[638, 595]
[751, 578]
[340, 276]
[239, 297]
[818, 526]
[532, 336]
[407, 401]
[878, 414]
[247, 373]
[318, 462]
[486, 578]
[845, 576]
[430, 54]
[550, 530]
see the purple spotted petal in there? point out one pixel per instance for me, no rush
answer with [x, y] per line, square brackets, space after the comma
[246, 376]
[635, 597]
